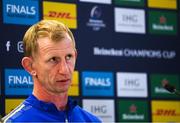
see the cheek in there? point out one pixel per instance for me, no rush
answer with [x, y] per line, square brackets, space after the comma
[43, 71]
[71, 66]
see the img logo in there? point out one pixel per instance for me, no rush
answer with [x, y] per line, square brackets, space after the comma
[130, 20]
[97, 84]
[24, 12]
[95, 20]
[104, 109]
[17, 82]
[131, 84]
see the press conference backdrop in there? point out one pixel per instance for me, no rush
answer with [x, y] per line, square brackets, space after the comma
[126, 50]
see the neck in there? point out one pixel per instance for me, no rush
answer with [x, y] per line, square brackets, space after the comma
[59, 100]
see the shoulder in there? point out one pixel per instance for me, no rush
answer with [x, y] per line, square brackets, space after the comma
[87, 116]
[18, 114]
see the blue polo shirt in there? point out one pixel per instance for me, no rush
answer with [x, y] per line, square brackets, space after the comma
[34, 110]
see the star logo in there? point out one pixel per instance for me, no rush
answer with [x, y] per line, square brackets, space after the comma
[133, 108]
[162, 20]
[164, 82]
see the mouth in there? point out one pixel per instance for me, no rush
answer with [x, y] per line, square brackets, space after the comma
[63, 81]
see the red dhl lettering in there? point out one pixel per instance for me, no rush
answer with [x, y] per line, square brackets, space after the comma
[55, 14]
[164, 112]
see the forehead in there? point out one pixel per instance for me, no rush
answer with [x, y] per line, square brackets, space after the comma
[46, 45]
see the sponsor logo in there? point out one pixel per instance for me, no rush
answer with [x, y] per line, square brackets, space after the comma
[130, 2]
[95, 20]
[20, 47]
[129, 20]
[17, 82]
[104, 109]
[11, 104]
[157, 89]
[24, 12]
[97, 83]
[162, 112]
[165, 111]
[74, 88]
[162, 22]
[166, 4]
[97, 1]
[131, 84]
[135, 53]
[63, 12]
[132, 110]
[8, 44]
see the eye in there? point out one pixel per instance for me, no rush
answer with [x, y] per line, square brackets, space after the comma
[69, 56]
[53, 60]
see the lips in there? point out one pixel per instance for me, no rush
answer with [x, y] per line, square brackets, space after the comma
[63, 80]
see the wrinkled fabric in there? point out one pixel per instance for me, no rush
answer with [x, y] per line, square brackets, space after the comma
[34, 110]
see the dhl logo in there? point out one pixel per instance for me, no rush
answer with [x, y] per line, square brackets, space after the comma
[74, 85]
[64, 12]
[63, 15]
[166, 4]
[166, 112]
[74, 89]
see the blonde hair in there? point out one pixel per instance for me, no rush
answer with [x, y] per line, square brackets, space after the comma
[55, 30]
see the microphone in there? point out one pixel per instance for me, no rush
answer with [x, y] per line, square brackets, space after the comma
[170, 88]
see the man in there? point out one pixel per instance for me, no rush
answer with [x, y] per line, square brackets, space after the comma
[50, 56]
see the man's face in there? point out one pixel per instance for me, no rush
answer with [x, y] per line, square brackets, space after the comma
[54, 64]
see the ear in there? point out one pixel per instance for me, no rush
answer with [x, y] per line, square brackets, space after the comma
[27, 64]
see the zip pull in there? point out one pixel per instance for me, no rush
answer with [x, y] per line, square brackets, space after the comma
[66, 116]
[66, 120]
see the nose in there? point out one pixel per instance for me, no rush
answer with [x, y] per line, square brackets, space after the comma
[63, 67]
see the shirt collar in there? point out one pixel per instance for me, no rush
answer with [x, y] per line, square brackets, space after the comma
[32, 100]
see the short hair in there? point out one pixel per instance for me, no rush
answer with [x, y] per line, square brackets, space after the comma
[55, 30]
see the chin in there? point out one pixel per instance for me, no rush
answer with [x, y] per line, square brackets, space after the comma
[64, 90]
